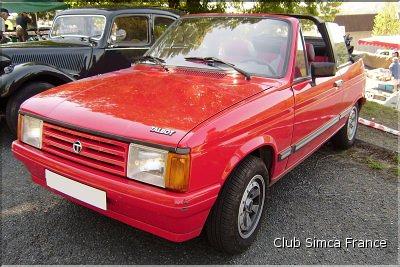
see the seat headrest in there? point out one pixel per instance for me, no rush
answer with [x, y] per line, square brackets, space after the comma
[310, 53]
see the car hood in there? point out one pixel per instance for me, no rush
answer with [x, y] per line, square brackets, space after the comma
[130, 102]
[62, 43]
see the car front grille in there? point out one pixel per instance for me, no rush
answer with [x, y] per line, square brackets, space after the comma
[74, 62]
[97, 152]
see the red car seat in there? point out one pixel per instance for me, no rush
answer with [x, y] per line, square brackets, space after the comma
[310, 53]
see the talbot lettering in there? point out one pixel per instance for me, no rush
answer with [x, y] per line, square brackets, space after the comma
[162, 131]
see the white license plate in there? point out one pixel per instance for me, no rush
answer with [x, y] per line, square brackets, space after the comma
[82, 192]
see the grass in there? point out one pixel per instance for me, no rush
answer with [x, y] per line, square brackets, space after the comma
[375, 159]
[381, 114]
[397, 171]
[374, 164]
[397, 168]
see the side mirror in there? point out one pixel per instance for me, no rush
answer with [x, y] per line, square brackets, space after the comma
[116, 37]
[322, 69]
[120, 35]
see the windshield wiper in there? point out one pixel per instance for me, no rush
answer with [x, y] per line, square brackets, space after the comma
[211, 60]
[90, 38]
[157, 60]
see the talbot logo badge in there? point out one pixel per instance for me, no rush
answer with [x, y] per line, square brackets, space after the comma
[77, 147]
[162, 131]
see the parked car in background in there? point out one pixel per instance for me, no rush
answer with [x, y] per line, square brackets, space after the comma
[42, 33]
[191, 139]
[385, 52]
[82, 43]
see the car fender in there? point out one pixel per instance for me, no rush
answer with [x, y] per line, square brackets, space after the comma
[246, 149]
[16, 75]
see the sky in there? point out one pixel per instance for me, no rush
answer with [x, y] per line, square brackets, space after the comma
[348, 8]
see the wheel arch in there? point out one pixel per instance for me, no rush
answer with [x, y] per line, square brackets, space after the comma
[23, 74]
[55, 80]
[361, 101]
[263, 147]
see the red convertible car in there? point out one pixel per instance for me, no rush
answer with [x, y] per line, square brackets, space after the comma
[190, 138]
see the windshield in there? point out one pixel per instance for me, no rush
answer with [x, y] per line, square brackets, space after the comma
[78, 26]
[256, 45]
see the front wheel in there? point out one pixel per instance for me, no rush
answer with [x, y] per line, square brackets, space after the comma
[18, 98]
[235, 218]
[346, 136]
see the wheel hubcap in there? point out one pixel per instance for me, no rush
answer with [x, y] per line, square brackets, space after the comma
[352, 124]
[251, 206]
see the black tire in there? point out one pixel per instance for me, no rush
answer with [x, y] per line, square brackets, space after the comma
[342, 140]
[222, 228]
[15, 101]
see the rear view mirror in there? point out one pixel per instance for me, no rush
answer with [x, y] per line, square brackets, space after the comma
[322, 69]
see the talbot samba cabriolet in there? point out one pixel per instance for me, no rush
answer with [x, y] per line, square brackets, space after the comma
[190, 139]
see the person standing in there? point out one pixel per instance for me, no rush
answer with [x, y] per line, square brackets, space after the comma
[22, 26]
[3, 17]
[395, 70]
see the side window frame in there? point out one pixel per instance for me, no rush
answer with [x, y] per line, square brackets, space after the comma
[154, 17]
[149, 31]
[334, 51]
[308, 74]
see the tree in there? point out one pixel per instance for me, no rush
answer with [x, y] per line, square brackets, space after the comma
[387, 21]
[116, 3]
[327, 10]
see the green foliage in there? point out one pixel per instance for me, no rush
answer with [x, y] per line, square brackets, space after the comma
[381, 114]
[376, 165]
[327, 10]
[114, 3]
[387, 21]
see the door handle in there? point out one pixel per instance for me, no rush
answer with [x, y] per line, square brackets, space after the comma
[338, 83]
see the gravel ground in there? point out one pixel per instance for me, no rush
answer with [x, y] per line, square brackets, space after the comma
[326, 197]
[385, 140]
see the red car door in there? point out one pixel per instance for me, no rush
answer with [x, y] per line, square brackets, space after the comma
[317, 106]
[352, 73]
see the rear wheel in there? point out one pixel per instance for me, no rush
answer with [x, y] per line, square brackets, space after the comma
[235, 218]
[15, 101]
[346, 136]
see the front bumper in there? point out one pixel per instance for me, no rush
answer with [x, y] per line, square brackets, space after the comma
[174, 216]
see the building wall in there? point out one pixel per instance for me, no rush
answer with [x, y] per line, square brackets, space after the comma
[359, 35]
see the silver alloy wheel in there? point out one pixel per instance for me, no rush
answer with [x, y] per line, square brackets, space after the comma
[251, 206]
[352, 123]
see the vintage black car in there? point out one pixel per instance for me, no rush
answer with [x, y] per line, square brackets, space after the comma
[82, 43]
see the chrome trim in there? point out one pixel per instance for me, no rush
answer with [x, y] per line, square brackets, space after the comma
[345, 112]
[285, 153]
[294, 148]
[315, 134]
[128, 48]
[338, 83]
